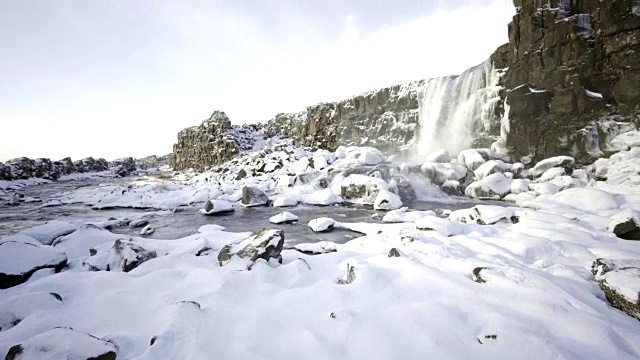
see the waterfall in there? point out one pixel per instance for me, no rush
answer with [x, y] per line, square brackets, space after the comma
[455, 110]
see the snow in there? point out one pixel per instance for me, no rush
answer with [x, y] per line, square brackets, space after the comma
[49, 231]
[323, 197]
[404, 215]
[519, 186]
[18, 258]
[321, 224]
[586, 199]
[549, 163]
[627, 140]
[444, 227]
[551, 174]
[283, 217]
[364, 155]
[387, 200]
[219, 207]
[439, 156]
[64, 343]
[492, 167]
[493, 186]
[625, 282]
[593, 94]
[471, 158]
[284, 201]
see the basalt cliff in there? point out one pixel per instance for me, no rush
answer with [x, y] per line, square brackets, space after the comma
[567, 82]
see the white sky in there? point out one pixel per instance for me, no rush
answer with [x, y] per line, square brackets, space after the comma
[120, 78]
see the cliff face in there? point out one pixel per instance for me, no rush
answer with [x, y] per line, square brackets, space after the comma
[386, 119]
[571, 63]
[212, 142]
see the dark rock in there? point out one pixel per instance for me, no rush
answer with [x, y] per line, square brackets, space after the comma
[15, 274]
[607, 273]
[393, 253]
[124, 167]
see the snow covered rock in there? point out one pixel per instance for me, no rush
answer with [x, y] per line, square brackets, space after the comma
[213, 207]
[541, 167]
[147, 230]
[317, 248]
[552, 174]
[19, 307]
[494, 186]
[365, 155]
[323, 197]
[124, 256]
[362, 189]
[627, 140]
[138, 223]
[519, 186]
[620, 281]
[263, 244]
[79, 243]
[387, 200]
[440, 156]
[442, 226]
[587, 199]
[492, 167]
[484, 215]
[453, 188]
[63, 343]
[252, 196]
[322, 224]
[626, 225]
[285, 201]
[49, 231]
[284, 217]
[19, 260]
[471, 158]
[439, 173]
[404, 215]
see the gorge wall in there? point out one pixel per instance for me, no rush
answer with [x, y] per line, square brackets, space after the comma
[568, 80]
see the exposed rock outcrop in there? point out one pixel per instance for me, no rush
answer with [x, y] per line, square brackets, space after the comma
[571, 63]
[211, 143]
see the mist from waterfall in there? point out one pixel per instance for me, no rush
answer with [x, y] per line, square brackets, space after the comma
[455, 110]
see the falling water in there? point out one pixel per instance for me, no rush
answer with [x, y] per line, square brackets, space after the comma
[454, 110]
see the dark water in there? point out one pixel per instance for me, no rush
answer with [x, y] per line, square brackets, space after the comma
[187, 221]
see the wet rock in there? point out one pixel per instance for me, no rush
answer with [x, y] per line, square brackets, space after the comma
[620, 281]
[32, 258]
[263, 244]
[252, 196]
[63, 343]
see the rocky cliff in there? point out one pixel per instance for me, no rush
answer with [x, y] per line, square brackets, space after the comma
[566, 83]
[574, 66]
[212, 142]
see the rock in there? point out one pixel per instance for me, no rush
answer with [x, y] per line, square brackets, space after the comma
[491, 167]
[387, 200]
[252, 196]
[348, 277]
[442, 226]
[284, 217]
[620, 281]
[452, 187]
[323, 198]
[211, 143]
[263, 244]
[124, 255]
[393, 253]
[440, 156]
[485, 215]
[91, 165]
[124, 167]
[316, 248]
[552, 174]
[49, 231]
[63, 343]
[32, 258]
[147, 230]
[476, 276]
[285, 201]
[18, 307]
[440, 173]
[626, 225]
[565, 162]
[471, 158]
[519, 186]
[494, 186]
[138, 223]
[362, 189]
[323, 224]
[216, 207]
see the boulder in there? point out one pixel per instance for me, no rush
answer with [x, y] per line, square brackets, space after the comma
[323, 224]
[485, 215]
[494, 186]
[124, 167]
[49, 231]
[124, 255]
[471, 158]
[323, 198]
[263, 244]
[439, 173]
[20, 260]
[442, 226]
[565, 162]
[362, 189]
[626, 225]
[386, 200]
[284, 217]
[440, 156]
[620, 281]
[18, 307]
[252, 196]
[63, 343]
[216, 207]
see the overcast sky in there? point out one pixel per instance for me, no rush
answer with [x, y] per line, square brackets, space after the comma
[120, 78]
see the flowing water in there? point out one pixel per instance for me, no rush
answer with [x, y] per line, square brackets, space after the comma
[186, 221]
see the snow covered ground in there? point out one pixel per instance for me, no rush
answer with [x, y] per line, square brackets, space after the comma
[482, 282]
